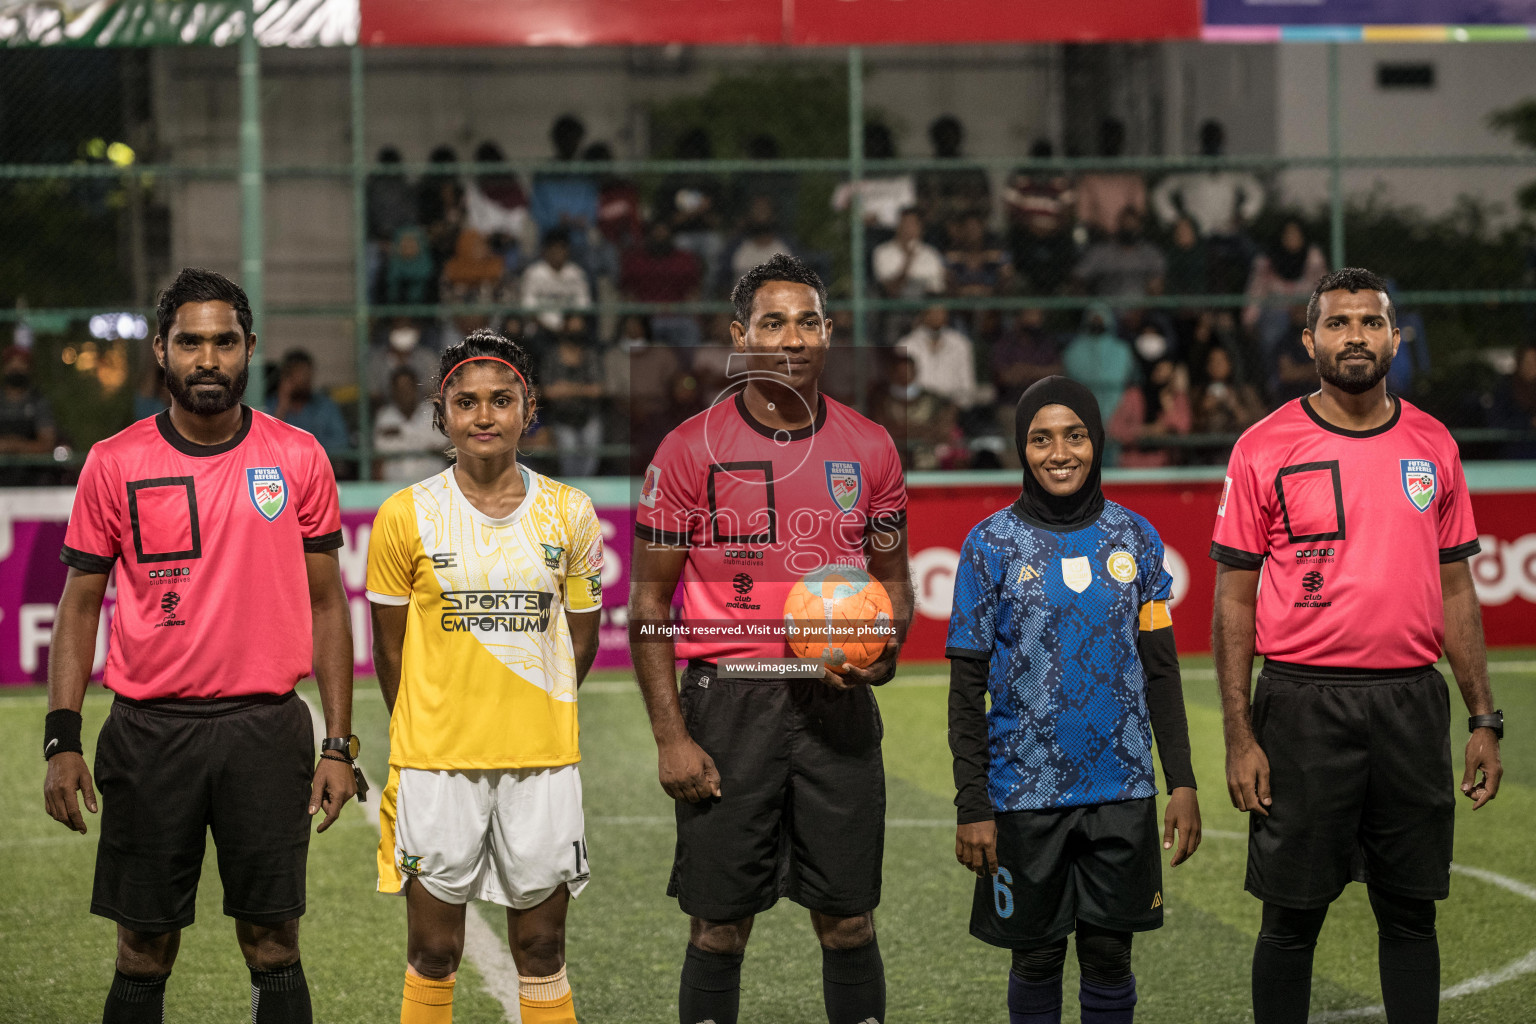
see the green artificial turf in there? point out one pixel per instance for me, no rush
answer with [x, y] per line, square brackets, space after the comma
[626, 939]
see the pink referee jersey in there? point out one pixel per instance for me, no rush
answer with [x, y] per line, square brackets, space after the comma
[1350, 528]
[758, 509]
[212, 592]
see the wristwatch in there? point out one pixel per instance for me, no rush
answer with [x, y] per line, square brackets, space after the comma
[346, 746]
[1494, 721]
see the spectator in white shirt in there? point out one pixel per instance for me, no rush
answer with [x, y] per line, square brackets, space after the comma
[1220, 202]
[553, 284]
[884, 198]
[907, 267]
[405, 425]
[945, 359]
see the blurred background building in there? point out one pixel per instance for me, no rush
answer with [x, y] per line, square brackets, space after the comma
[1146, 211]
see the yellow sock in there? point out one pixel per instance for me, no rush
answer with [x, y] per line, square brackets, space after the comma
[546, 1000]
[427, 1000]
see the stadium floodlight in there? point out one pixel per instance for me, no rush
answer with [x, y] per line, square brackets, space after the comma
[111, 326]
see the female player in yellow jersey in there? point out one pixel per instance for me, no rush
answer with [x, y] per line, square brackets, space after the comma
[484, 581]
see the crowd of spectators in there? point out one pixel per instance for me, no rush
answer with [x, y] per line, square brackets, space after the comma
[565, 242]
[1176, 381]
[1162, 374]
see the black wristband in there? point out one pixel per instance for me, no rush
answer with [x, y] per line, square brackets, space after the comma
[61, 733]
[1494, 721]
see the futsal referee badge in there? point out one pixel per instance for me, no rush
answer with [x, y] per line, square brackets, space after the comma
[268, 490]
[845, 482]
[1077, 573]
[1419, 482]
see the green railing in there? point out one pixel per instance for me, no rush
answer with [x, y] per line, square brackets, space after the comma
[251, 172]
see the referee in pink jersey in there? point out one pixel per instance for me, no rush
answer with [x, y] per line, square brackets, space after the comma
[221, 524]
[1343, 536]
[779, 782]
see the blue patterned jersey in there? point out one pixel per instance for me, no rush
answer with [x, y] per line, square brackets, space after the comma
[1056, 616]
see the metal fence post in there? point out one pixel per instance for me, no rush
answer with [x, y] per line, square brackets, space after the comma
[1335, 167]
[856, 199]
[360, 280]
[251, 244]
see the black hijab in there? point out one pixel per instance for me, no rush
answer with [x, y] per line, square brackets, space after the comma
[1036, 505]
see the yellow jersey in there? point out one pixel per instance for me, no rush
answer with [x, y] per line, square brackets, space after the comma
[488, 673]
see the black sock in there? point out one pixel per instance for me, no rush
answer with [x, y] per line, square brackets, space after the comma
[1282, 964]
[1408, 951]
[1410, 980]
[280, 996]
[1107, 1005]
[853, 984]
[135, 1000]
[711, 988]
[1033, 1002]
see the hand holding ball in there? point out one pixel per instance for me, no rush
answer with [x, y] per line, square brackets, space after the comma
[840, 615]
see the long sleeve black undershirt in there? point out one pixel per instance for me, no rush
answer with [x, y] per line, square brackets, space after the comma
[968, 737]
[1165, 705]
[968, 721]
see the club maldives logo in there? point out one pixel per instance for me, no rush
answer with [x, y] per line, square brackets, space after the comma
[268, 490]
[1419, 482]
[845, 482]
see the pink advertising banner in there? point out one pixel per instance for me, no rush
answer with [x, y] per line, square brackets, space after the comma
[32, 526]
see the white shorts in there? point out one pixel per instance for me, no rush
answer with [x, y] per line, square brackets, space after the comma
[506, 836]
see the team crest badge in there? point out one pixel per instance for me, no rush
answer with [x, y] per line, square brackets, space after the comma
[1122, 566]
[410, 865]
[552, 555]
[1419, 482]
[1077, 573]
[845, 482]
[268, 490]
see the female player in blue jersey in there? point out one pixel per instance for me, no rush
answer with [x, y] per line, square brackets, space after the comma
[1061, 617]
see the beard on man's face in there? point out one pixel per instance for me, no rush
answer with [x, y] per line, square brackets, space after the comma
[208, 403]
[1354, 378]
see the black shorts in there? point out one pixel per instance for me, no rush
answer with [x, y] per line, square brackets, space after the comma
[1360, 776]
[1056, 867]
[168, 771]
[801, 812]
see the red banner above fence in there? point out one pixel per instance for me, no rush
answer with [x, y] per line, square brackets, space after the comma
[799, 22]
[857, 22]
[569, 22]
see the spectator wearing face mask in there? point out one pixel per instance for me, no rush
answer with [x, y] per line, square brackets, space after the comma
[1101, 359]
[924, 425]
[402, 349]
